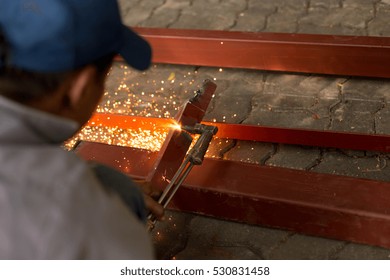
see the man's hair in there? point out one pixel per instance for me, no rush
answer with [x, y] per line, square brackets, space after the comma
[25, 86]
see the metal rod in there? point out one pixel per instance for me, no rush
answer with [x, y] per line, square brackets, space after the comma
[179, 183]
[173, 181]
[171, 189]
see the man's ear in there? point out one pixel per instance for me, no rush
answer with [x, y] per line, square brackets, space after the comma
[79, 84]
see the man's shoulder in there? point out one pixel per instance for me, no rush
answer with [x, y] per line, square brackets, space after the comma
[64, 201]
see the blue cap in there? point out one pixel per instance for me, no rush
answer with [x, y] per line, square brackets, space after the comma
[63, 35]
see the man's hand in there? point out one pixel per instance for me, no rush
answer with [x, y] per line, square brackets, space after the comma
[150, 197]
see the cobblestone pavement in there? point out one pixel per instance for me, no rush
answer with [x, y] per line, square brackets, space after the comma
[265, 98]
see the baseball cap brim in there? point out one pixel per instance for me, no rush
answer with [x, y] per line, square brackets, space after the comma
[135, 50]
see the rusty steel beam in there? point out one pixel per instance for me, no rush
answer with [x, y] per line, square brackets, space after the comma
[326, 205]
[306, 137]
[303, 53]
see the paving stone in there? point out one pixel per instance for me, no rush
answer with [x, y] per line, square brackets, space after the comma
[126, 5]
[294, 101]
[382, 121]
[216, 238]
[309, 28]
[233, 100]
[250, 151]
[263, 7]
[301, 247]
[338, 21]
[366, 89]
[320, 21]
[219, 146]
[299, 84]
[162, 17]
[294, 157]
[211, 18]
[231, 5]
[284, 16]
[355, 116]
[282, 23]
[325, 4]
[254, 18]
[212, 252]
[375, 168]
[380, 25]
[135, 12]
[351, 17]
[166, 14]
[359, 3]
[322, 109]
[174, 227]
[362, 252]
[284, 102]
[287, 118]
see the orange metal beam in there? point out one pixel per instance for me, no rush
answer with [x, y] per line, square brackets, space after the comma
[325, 205]
[340, 140]
[304, 53]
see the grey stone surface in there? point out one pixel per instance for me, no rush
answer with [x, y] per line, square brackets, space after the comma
[258, 97]
[174, 227]
[382, 120]
[361, 252]
[306, 248]
[211, 17]
[373, 167]
[295, 157]
[249, 151]
[355, 116]
[219, 239]
[379, 25]
[232, 101]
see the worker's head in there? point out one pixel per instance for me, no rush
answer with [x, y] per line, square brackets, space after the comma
[67, 46]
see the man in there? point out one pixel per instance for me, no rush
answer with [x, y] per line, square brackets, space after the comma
[55, 55]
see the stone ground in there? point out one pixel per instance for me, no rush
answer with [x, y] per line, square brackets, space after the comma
[265, 98]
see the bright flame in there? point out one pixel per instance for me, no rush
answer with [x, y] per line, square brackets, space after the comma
[175, 125]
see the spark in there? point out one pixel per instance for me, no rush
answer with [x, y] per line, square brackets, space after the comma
[133, 99]
[164, 178]
[175, 125]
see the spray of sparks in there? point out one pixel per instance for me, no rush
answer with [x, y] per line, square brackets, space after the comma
[128, 98]
[132, 99]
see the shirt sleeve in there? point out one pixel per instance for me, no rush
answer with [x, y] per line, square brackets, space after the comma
[121, 184]
[109, 229]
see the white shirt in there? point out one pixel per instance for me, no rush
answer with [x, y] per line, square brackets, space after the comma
[52, 204]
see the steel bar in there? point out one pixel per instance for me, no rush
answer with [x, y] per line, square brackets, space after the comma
[303, 53]
[331, 206]
[306, 137]
[332, 139]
